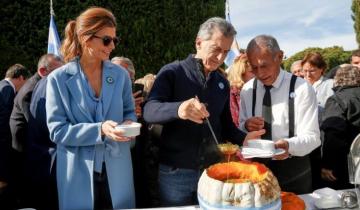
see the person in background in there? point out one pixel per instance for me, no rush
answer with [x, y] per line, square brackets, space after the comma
[20, 113]
[146, 155]
[239, 73]
[85, 100]
[19, 119]
[128, 65]
[355, 58]
[341, 124]
[148, 82]
[270, 90]
[177, 101]
[296, 68]
[314, 67]
[143, 199]
[15, 78]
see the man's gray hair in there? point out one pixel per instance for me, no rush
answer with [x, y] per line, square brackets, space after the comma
[263, 41]
[130, 64]
[295, 63]
[207, 29]
[45, 60]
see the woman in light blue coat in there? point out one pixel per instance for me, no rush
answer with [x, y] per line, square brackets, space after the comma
[85, 100]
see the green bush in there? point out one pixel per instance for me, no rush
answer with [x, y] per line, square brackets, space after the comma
[333, 56]
[152, 32]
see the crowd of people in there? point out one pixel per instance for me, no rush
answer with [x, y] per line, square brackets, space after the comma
[60, 148]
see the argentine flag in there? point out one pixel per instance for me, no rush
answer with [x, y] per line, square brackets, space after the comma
[234, 50]
[53, 40]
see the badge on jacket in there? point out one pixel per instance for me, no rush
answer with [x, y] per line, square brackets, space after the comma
[109, 80]
[221, 85]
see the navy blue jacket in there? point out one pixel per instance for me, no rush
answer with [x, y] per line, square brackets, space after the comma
[7, 96]
[185, 144]
[40, 149]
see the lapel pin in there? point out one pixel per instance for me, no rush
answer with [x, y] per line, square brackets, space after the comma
[109, 80]
[221, 85]
[292, 95]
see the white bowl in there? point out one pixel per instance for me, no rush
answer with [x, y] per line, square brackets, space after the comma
[266, 145]
[130, 130]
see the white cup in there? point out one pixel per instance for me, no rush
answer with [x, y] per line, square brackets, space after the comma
[266, 145]
[130, 130]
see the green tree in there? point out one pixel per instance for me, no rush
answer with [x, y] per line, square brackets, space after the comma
[333, 56]
[355, 7]
[152, 32]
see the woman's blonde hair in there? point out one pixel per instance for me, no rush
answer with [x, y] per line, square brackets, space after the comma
[236, 72]
[147, 81]
[78, 31]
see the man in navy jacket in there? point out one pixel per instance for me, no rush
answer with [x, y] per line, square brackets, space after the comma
[15, 77]
[184, 94]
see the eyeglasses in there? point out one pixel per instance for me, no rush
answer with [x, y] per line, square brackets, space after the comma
[309, 71]
[107, 39]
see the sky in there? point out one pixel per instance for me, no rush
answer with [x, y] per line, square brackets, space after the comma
[295, 24]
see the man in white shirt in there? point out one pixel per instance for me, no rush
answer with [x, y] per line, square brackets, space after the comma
[265, 57]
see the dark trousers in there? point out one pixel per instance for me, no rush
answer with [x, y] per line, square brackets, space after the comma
[315, 160]
[293, 174]
[42, 192]
[102, 196]
[7, 201]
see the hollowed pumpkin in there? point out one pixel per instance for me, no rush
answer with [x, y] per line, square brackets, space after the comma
[239, 184]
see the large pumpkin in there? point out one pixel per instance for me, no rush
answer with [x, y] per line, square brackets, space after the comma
[242, 185]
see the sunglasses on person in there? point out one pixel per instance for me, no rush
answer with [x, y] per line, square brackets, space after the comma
[107, 40]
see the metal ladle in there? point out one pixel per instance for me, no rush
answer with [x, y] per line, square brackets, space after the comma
[209, 125]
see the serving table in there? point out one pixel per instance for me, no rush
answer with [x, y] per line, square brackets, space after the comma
[308, 198]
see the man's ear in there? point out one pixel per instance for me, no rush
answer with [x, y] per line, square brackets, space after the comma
[280, 56]
[198, 43]
[42, 71]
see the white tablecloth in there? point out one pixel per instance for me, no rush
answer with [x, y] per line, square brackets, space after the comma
[308, 198]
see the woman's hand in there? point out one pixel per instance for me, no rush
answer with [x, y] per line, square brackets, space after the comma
[108, 128]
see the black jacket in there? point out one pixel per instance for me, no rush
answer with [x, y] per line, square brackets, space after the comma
[20, 113]
[341, 124]
[185, 144]
[7, 95]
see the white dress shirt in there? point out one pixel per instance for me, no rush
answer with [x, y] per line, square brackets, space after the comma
[323, 89]
[306, 132]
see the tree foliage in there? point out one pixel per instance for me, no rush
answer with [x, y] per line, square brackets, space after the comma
[333, 56]
[152, 32]
[355, 7]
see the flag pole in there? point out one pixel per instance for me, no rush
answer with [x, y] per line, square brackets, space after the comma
[234, 50]
[53, 38]
[227, 10]
[51, 8]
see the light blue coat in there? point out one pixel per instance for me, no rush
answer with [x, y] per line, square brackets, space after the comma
[75, 133]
